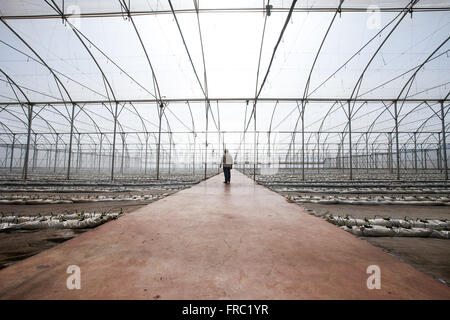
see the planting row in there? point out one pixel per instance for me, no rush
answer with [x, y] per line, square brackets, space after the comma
[34, 200]
[435, 224]
[360, 190]
[61, 221]
[374, 200]
[387, 227]
[339, 175]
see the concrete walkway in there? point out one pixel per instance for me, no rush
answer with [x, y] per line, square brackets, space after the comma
[217, 241]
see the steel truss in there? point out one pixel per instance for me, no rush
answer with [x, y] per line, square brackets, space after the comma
[372, 149]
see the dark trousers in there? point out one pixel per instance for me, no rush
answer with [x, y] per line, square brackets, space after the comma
[227, 173]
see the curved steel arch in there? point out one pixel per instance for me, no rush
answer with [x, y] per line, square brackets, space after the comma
[56, 80]
[30, 119]
[305, 91]
[359, 82]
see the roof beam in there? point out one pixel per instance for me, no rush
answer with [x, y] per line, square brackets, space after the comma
[217, 10]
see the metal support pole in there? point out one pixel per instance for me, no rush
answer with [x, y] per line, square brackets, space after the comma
[303, 143]
[254, 143]
[78, 153]
[367, 152]
[425, 157]
[6, 156]
[170, 150]
[146, 153]
[206, 138]
[27, 150]
[219, 153]
[193, 155]
[100, 153]
[12, 152]
[69, 161]
[415, 152]
[350, 140]
[438, 154]
[122, 135]
[113, 156]
[56, 153]
[390, 156]
[65, 155]
[422, 157]
[375, 159]
[396, 139]
[21, 153]
[35, 151]
[47, 158]
[342, 153]
[444, 143]
[160, 113]
[318, 152]
[257, 149]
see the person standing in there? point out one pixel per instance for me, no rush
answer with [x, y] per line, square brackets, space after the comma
[227, 163]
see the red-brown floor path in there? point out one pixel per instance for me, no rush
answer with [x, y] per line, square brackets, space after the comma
[217, 241]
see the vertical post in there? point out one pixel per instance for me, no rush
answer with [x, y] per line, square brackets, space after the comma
[254, 143]
[56, 152]
[122, 135]
[193, 155]
[146, 153]
[93, 162]
[342, 153]
[113, 156]
[425, 158]
[375, 158]
[72, 118]
[65, 154]
[12, 152]
[444, 143]
[367, 151]
[47, 158]
[21, 153]
[170, 150]
[303, 142]
[350, 140]
[6, 156]
[390, 156]
[100, 153]
[27, 150]
[221, 150]
[405, 152]
[257, 149]
[338, 156]
[438, 154]
[318, 152]
[206, 138]
[158, 147]
[415, 152]
[78, 153]
[220, 153]
[244, 153]
[35, 152]
[396, 140]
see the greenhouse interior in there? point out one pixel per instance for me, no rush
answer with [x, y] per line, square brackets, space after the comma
[119, 121]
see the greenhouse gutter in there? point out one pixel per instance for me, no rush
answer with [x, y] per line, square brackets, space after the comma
[217, 10]
[179, 100]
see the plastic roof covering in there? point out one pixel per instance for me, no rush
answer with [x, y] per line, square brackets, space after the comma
[231, 40]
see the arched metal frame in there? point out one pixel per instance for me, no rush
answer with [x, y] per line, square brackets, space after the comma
[116, 106]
